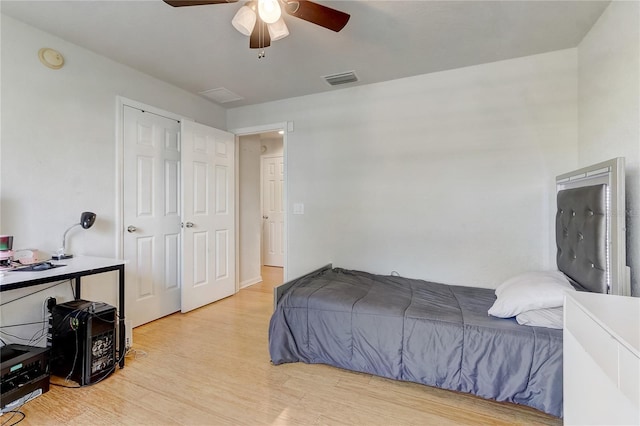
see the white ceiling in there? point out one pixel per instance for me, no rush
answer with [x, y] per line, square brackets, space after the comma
[197, 49]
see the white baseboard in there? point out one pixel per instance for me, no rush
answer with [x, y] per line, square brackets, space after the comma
[252, 281]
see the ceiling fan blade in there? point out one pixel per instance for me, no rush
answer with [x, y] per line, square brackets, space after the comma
[318, 14]
[180, 3]
[260, 37]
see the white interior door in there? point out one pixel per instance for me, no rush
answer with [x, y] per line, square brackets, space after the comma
[208, 183]
[152, 210]
[272, 210]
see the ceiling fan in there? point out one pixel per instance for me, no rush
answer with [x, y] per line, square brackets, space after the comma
[262, 21]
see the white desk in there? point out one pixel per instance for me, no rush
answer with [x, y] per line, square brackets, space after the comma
[73, 269]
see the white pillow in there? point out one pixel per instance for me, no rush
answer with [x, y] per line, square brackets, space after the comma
[528, 291]
[550, 318]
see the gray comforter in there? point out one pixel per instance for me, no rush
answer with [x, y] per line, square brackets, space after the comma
[418, 331]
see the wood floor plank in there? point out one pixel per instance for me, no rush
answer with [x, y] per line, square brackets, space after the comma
[211, 367]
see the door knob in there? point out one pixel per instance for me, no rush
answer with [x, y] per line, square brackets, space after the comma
[131, 229]
[265, 217]
[189, 225]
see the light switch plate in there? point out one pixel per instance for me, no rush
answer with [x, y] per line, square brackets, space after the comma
[298, 208]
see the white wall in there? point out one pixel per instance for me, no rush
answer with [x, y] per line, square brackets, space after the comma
[58, 150]
[609, 107]
[447, 176]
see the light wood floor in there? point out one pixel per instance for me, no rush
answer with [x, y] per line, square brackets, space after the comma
[211, 367]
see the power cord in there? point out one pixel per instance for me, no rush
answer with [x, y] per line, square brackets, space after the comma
[37, 291]
[104, 376]
[26, 399]
[135, 353]
[12, 416]
[41, 334]
[74, 327]
[74, 324]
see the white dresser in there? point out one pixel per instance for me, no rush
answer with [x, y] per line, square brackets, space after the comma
[601, 359]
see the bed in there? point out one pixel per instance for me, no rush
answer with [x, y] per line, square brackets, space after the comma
[441, 335]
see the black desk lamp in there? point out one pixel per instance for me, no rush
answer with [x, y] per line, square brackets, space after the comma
[87, 219]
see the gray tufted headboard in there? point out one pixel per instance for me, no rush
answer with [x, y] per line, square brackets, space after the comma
[590, 228]
[581, 236]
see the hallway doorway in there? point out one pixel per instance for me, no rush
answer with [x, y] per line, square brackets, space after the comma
[261, 206]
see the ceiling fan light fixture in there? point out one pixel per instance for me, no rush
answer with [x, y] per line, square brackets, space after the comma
[269, 11]
[278, 30]
[244, 20]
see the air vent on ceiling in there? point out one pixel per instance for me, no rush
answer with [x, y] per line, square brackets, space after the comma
[341, 78]
[221, 95]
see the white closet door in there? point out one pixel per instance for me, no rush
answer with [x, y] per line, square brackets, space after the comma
[208, 272]
[152, 210]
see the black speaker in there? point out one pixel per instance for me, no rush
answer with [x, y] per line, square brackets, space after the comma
[83, 341]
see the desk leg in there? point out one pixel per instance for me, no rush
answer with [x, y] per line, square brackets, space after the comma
[122, 329]
[77, 295]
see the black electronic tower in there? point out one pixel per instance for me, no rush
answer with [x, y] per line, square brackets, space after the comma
[83, 341]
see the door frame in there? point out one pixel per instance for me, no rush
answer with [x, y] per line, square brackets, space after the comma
[286, 127]
[121, 102]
